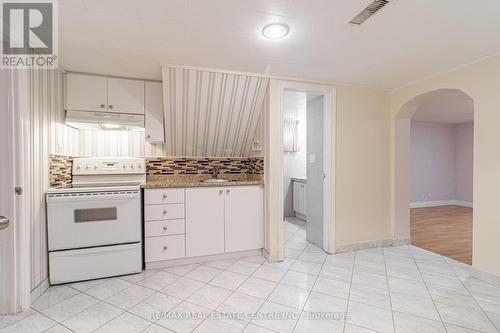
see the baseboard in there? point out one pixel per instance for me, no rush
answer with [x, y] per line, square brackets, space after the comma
[437, 203]
[462, 203]
[200, 259]
[372, 244]
[38, 290]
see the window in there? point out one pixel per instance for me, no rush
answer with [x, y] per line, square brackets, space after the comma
[290, 135]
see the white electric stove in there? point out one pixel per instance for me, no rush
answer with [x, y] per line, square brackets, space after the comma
[94, 225]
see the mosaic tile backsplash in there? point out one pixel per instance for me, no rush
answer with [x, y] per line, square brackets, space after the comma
[160, 166]
[60, 170]
[61, 166]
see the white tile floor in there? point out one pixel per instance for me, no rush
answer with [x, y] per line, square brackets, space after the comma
[399, 289]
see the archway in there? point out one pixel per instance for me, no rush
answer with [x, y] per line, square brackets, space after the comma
[440, 106]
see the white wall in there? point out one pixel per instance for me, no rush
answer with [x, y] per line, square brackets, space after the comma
[47, 135]
[464, 138]
[432, 161]
[441, 162]
[362, 190]
[295, 105]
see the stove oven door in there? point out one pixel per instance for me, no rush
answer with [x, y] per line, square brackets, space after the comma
[89, 219]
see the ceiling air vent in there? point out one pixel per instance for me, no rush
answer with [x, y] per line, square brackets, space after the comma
[366, 13]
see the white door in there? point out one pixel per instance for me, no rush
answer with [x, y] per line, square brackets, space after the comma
[86, 92]
[125, 96]
[315, 190]
[154, 112]
[204, 221]
[244, 227]
[14, 259]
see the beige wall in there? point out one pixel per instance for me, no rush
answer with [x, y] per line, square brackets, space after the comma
[362, 165]
[481, 81]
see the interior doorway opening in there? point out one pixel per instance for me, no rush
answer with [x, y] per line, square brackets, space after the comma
[435, 142]
[307, 169]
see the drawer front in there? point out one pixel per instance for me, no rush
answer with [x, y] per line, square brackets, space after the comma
[164, 212]
[165, 248]
[160, 196]
[164, 228]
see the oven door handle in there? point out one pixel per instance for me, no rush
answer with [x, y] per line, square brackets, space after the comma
[91, 197]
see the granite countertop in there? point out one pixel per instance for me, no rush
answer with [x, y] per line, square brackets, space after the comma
[197, 181]
[302, 180]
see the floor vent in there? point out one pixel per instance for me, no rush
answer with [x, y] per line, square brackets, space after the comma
[366, 13]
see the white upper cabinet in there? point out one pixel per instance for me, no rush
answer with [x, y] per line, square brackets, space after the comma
[86, 92]
[99, 93]
[125, 96]
[204, 221]
[154, 112]
[244, 221]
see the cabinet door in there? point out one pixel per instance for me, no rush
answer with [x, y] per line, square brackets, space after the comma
[154, 112]
[204, 221]
[244, 227]
[86, 92]
[298, 197]
[125, 96]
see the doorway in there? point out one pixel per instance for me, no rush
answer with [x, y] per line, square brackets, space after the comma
[439, 150]
[307, 168]
[14, 233]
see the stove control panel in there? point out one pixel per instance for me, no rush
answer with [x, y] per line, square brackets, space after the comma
[108, 165]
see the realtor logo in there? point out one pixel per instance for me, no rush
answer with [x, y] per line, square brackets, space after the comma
[29, 34]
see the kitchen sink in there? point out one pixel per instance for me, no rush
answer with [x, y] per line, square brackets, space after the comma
[215, 180]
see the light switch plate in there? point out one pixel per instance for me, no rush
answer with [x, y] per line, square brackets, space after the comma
[312, 158]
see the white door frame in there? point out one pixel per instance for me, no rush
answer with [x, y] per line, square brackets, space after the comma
[14, 240]
[274, 165]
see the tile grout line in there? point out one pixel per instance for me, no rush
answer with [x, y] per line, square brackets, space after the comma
[123, 310]
[350, 287]
[293, 261]
[185, 300]
[135, 283]
[312, 287]
[389, 290]
[475, 300]
[232, 291]
[155, 292]
[427, 288]
[277, 284]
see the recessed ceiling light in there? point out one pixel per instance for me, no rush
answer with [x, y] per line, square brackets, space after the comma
[275, 30]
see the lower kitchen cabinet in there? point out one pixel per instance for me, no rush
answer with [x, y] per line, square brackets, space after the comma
[204, 221]
[299, 198]
[164, 248]
[244, 226]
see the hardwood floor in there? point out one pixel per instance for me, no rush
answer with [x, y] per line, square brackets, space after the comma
[446, 230]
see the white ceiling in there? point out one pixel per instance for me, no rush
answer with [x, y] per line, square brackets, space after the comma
[406, 41]
[449, 106]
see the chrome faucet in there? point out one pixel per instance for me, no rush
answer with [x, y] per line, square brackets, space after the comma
[215, 172]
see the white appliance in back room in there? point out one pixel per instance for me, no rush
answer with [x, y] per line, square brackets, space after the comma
[94, 224]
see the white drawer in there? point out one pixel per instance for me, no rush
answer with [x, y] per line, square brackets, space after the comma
[159, 196]
[164, 212]
[165, 248]
[164, 228]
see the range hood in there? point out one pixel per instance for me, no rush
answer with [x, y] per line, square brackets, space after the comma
[104, 120]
